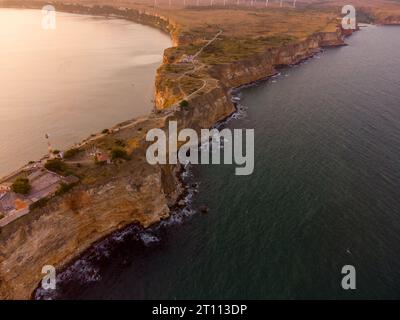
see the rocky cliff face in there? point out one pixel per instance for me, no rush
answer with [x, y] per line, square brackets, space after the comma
[263, 65]
[137, 192]
[69, 225]
[223, 77]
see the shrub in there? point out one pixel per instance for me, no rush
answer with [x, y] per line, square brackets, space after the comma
[57, 166]
[70, 153]
[105, 131]
[63, 188]
[21, 185]
[38, 204]
[184, 104]
[119, 153]
[120, 143]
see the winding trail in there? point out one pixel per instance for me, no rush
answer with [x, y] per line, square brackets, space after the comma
[195, 68]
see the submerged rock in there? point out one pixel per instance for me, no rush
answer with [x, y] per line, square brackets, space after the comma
[204, 209]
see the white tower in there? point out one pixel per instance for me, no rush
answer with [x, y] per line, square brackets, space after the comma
[49, 147]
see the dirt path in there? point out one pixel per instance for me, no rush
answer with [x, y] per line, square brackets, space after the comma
[196, 68]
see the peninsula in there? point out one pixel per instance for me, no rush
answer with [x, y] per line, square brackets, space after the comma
[78, 197]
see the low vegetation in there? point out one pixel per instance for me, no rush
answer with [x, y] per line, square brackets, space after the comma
[120, 143]
[75, 201]
[58, 166]
[38, 204]
[63, 188]
[119, 153]
[190, 85]
[71, 153]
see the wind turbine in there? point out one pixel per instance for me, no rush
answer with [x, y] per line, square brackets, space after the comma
[294, 3]
[281, 3]
[266, 3]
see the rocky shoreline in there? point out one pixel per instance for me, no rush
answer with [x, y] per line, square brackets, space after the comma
[134, 192]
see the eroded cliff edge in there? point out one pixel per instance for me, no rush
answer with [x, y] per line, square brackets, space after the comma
[126, 192]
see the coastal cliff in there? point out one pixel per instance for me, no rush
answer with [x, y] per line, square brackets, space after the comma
[133, 191]
[263, 65]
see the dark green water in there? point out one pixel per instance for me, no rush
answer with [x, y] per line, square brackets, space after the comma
[325, 193]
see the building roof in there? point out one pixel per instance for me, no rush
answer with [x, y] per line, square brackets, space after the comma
[103, 157]
[5, 187]
[20, 204]
[7, 201]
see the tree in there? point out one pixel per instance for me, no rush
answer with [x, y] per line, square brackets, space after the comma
[21, 186]
[184, 104]
[57, 166]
